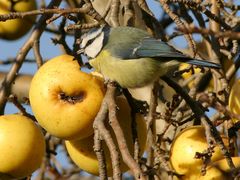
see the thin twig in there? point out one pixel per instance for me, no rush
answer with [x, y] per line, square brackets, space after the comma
[179, 24]
[105, 134]
[98, 149]
[122, 144]
[37, 54]
[151, 124]
[204, 31]
[12, 98]
[45, 12]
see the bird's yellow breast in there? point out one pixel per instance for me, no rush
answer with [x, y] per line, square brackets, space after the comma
[128, 73]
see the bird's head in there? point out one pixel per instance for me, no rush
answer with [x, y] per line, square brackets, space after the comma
[92, 42]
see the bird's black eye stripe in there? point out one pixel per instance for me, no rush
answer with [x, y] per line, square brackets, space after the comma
[90, 41]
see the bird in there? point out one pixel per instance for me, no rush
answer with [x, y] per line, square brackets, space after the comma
[131, 56]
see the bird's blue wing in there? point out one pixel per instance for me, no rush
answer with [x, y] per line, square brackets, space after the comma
[139, 44]
[150, 47]
[154, 48]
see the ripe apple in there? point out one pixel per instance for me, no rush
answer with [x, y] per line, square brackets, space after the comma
[184, 147]
[216, 170]
[234, 99]
[64, 99]
[82, 153]
[22, 146]
[16, 28]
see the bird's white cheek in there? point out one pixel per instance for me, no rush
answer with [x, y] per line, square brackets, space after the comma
[95, 47]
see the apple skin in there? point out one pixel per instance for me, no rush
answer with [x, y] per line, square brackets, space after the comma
[234, 100]
[184, 147]
[218, 170]
[16, 28]
[64, 99]
[22, 146]
[82, 153]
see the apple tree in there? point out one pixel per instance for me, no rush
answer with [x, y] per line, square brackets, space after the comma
[184, 125]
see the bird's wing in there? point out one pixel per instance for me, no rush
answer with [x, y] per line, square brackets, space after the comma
[143, 46]
[150, 47]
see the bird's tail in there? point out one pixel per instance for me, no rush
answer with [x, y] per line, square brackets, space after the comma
[203, 63]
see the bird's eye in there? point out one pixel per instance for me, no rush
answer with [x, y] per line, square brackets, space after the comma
[90, 41]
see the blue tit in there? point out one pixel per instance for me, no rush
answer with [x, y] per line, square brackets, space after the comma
[131, 56]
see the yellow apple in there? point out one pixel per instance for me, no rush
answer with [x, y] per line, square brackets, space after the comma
[64, 99]
[82, 153]
[22, 146]
[218, 170]
[234, 99]
[16, 28]
[184, 147]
